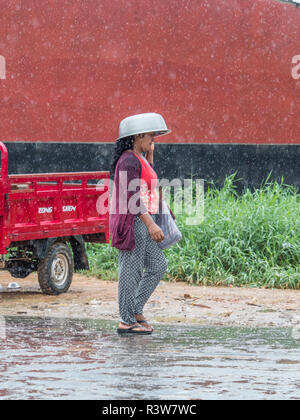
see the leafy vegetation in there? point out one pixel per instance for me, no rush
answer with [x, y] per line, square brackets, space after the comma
[247, 239]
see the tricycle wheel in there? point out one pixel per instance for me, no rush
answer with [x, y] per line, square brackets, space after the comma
[55, 272]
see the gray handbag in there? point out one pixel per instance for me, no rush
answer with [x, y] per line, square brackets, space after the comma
[167, 224]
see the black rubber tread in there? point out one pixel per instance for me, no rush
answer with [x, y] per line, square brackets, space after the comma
[47, 286]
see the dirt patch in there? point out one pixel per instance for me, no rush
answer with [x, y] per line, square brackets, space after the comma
[89, 297]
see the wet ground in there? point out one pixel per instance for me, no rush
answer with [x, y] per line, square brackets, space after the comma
[53, 358]
[178, 302]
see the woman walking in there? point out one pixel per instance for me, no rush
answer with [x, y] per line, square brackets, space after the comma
[133, 213]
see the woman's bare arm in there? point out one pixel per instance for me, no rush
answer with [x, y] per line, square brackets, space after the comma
[155, 231]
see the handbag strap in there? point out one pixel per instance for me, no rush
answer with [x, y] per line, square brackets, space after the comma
[161, 198]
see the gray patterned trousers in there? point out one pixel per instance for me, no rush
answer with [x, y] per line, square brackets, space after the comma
[140, 272]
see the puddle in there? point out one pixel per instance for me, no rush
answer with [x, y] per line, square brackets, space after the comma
[51, 358]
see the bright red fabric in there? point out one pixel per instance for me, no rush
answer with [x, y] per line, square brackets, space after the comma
[148, 188]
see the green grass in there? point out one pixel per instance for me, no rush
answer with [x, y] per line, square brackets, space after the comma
[247, 239]
[103, 261]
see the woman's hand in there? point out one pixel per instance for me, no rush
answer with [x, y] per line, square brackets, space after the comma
[154, 230]
[151, 148]
[150, 154]
[156, 233]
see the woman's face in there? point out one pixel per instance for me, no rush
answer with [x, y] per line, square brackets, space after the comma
[145, 142]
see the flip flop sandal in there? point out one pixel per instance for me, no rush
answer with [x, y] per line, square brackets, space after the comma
[144, 321]
[131, 330]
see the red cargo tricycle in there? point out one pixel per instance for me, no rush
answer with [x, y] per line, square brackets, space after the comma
[45, 220]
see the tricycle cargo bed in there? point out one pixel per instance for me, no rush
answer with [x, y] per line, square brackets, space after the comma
[38, 206]
[54, 205]
[53, 208]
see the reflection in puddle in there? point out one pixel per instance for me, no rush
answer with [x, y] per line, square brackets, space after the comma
[50, 358]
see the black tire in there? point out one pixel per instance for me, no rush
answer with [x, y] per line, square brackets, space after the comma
[55, 272]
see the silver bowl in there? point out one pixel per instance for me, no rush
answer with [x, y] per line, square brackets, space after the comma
[143, 123]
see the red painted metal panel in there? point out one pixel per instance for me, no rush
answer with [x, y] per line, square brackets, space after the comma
[219, 71]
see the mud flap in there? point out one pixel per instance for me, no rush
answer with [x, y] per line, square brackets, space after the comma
[80, 256]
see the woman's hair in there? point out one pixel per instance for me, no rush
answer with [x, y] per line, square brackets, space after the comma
[126, 143]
